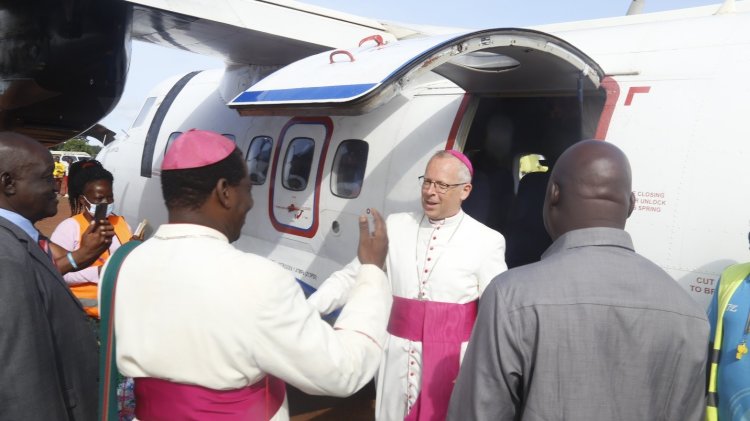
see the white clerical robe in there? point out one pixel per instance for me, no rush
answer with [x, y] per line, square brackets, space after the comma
[191, 308]
[449, 261]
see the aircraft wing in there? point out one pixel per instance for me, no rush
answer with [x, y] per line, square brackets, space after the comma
[264, 32]
[42, 95]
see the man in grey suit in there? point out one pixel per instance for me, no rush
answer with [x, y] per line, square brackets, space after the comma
[593, 331]
[47, 349]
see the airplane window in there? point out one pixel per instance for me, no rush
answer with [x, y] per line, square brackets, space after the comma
[348, 170]
[144, 111]
[172, 137]
[297, 163]
[258, 158]
[230, 137]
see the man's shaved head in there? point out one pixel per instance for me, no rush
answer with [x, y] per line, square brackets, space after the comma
[26, 183]
[590, 186]
[13, 147]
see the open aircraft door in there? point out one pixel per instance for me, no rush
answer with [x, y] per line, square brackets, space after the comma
[500, 62]
[355, 81]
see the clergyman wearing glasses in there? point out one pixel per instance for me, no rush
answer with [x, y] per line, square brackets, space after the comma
[439, 262]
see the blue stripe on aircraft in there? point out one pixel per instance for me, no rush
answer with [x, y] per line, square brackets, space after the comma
[305, 94]
[308, 289]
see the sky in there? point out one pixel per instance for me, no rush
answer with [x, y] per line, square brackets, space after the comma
[151, 64]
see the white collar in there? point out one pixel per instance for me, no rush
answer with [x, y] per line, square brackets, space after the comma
[451, 220]
[175, 231]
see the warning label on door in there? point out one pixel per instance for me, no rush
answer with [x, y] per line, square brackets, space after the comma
[650, 201]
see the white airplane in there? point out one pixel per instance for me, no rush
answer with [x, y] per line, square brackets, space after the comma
[337, 113]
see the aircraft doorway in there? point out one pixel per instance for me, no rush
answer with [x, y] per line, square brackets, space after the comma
[503, 131]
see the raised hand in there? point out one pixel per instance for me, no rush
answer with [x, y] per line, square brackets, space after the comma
[373, 246]
[94, 241]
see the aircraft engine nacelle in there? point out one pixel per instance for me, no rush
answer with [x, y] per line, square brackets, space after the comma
[63, 64]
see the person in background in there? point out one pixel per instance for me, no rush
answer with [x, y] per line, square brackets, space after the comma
[729, 315]
[593, 331]
[90, 185]
[64, 184]
[59, 172]
[492, 181]
[47, 350]
[525, 236]
[439, 262]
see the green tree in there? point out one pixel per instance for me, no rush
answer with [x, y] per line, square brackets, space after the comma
[78, 144]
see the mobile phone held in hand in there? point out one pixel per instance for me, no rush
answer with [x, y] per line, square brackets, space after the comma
[101, 212]
[370, 221]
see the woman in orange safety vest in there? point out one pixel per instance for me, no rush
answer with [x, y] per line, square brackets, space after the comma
[89, 185]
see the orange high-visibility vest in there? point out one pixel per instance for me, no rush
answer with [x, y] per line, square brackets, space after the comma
[88, 292]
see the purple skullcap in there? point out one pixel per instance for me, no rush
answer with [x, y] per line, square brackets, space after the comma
[196, 149]
[463, 158]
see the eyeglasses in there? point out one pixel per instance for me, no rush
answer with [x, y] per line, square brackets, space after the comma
[440, 187]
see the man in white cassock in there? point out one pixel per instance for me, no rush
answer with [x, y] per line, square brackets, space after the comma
[439, 262]
[210, 332]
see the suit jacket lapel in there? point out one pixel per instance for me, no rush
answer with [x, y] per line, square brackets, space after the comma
[39, 255]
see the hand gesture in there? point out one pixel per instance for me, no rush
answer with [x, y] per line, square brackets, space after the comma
[95, 240]
[373, 246]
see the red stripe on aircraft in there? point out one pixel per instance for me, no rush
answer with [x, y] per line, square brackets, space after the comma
[612, 90]
[457, 122]
[635, 90]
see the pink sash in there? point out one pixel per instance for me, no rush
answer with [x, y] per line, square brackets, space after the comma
[441, 327]
[158, 400]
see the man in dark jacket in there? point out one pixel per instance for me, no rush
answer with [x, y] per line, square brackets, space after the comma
[48, 350]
